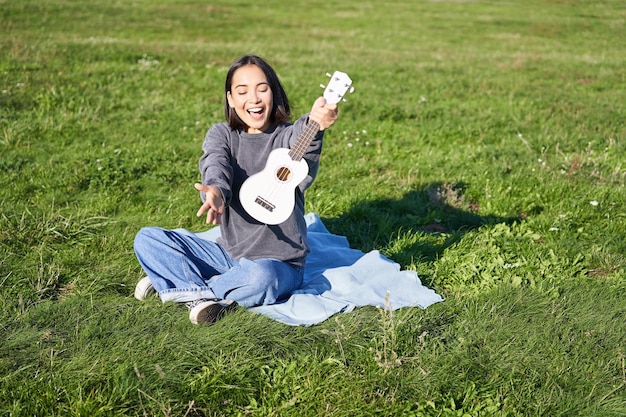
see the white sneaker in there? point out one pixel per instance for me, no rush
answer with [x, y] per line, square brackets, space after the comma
[143, 288]
[209, 311]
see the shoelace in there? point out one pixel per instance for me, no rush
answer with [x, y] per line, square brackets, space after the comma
[192, 304]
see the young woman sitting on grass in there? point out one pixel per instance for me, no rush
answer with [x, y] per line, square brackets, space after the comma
[252, 263]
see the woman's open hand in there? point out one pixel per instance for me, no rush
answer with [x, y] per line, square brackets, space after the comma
[213, 204]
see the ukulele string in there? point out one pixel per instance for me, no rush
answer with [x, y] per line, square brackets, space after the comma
[280, 176]
[284, 171]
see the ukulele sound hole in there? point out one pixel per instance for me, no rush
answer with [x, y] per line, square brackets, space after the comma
[283, 174]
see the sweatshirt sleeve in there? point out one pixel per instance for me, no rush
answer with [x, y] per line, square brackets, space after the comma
[216, 167]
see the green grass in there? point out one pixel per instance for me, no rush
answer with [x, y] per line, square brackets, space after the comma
[483, 147]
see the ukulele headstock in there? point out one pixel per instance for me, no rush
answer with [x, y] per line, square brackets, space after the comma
[338, 86]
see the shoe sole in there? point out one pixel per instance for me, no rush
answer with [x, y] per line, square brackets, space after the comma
[143, 289]
[210, 311]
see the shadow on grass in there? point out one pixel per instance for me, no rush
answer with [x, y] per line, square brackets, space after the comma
[419, 226]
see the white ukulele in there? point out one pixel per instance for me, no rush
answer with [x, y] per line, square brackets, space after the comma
[269, 195]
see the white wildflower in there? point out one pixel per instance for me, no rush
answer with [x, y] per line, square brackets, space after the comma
[146, 61]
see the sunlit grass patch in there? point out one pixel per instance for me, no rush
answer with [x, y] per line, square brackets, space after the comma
[483, 148]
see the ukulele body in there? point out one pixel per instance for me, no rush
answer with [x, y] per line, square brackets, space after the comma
[269, 195]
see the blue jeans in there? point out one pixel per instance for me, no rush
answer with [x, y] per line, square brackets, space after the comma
[183, 267]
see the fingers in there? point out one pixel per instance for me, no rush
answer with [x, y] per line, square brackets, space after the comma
[319, 102]
[204, 208]
[213, 205]
[200, 187]
[324, 114]
[213, 216]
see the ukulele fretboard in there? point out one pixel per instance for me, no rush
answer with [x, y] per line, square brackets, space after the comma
[299, 148]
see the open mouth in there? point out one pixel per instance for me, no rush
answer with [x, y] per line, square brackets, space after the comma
[256, 113]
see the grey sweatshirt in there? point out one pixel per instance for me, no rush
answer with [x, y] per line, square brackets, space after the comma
[230, 157]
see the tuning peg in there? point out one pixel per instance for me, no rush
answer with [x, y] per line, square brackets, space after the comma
[328, 75]
[322, 85]
[351, 89]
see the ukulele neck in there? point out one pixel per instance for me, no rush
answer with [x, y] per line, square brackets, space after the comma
[299, 148]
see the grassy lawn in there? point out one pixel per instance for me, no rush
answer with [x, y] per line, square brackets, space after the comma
[484, 148]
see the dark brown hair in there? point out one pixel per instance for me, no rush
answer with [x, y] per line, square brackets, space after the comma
[280, 110]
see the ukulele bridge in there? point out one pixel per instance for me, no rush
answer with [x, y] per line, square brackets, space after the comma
[265, 204]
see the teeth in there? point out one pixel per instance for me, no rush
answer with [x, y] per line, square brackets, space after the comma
[255, 110]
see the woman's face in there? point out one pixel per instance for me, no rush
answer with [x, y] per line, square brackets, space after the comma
[251, 98]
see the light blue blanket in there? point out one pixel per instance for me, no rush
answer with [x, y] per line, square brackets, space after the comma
[337, 279]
